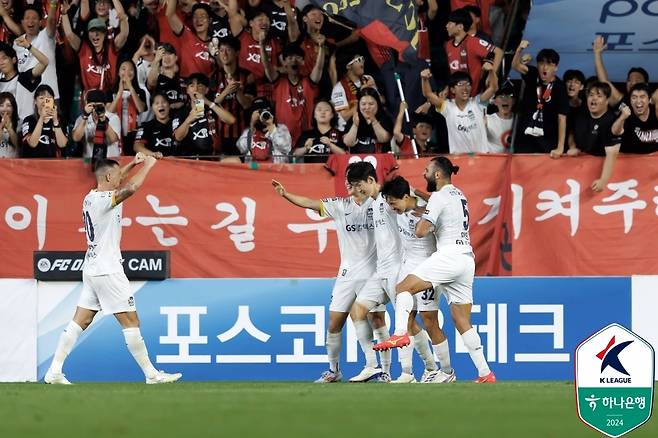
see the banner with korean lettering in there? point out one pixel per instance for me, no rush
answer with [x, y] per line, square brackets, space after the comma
[274, 329]
[628, 26]
[226, 220]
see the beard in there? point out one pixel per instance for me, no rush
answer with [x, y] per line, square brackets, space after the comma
[431, 185]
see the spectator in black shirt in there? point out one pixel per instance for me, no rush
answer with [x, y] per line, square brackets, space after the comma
[592, 132]
[195, 128]
[43, 136]
[156, 137]
[638, 125]
[543, 111]
[163, 76]
[371, 128]
[316, 144]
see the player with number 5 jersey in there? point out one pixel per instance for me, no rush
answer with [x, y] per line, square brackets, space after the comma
[104, 284]
[451, 267]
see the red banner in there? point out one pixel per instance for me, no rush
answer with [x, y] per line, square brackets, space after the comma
[226, 221]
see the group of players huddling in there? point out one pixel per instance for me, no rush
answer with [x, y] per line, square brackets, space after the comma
[395, 249]
[392, 249]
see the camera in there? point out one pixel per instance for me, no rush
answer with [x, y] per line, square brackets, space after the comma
[265, 115]
[99, 109]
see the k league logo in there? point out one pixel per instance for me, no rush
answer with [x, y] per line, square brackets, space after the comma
[614, 380]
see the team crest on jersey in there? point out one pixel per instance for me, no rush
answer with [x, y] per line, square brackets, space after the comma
[131, 302]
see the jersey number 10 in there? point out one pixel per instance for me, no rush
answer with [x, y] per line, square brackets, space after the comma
[89, 227]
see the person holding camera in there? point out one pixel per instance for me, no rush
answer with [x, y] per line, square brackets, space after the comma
[97, 129]
[265, 140]
[43, 135]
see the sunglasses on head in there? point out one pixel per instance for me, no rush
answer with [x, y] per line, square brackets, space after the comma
[356, 59]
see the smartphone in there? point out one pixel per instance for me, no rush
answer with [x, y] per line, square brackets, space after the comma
[198, 105]
[48, 103]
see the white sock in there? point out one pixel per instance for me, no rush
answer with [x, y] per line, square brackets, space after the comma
[404, 304]
[364, 335]
[333, 349]
[64, 346]
[421, 343]
[472, 342]
[137, 348]
[381, 334]
[406, 358]
[443, 353]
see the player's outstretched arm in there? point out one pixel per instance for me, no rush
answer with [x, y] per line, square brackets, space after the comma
[136, 180]
[300, 201]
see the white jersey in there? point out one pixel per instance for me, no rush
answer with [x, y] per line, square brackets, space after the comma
[447, 210]
[26, 60]
[102, 222]
[356, 243]
[499, 133]
[466, 130]
[414, 249]
[387, 237]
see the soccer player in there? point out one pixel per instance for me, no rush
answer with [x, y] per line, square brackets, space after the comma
[363, 177]
[354, 227]
[415, 251]
[451, 266]
[105, 285]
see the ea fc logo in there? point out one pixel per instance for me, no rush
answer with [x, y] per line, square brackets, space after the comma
[614, 380]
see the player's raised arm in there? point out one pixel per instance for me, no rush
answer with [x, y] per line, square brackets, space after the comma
[300, 201]
[137, 180]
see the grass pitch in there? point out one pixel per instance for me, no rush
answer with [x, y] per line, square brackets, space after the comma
[289, 409]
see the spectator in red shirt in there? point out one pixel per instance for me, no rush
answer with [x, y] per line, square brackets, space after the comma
[313, 19]
[467, 53]
[9, 29]
[195, 57]
[293, 94]
[98, 56]
[235, 93]
[254, 45]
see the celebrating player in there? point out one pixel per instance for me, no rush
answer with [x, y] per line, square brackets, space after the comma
[105, 285]
[363, 177]
[353, 217]
[415, 251]
[452, 265]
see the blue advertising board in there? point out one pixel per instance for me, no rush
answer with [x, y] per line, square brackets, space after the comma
[274, 329]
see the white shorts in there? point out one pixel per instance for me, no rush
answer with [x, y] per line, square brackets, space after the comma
[345, 292]
[426, 300]
[454, 272]
[110, 293]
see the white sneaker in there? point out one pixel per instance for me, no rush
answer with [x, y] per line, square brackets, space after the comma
[330, 377]
[366, 374]
[438, 376]
[163, 377]
[56, 379]
[405, 378]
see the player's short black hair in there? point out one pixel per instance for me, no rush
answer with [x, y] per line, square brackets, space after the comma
[639, 70]
[549, 56]
[34, 8]
[641, 87]
[360, 171]
[396, 188]
[101, 166]
[603, 87]
[461, 16]
[8, 50]
[457, 77]
[445, 165]
[574, 74]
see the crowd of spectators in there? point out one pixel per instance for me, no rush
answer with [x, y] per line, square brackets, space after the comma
[279, 80]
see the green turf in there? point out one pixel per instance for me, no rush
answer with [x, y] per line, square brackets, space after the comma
[250, 409]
